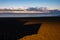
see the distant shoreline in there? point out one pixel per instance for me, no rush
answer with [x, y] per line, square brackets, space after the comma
[24, 11]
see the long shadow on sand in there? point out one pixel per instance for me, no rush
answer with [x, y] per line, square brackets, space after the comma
[11, 29]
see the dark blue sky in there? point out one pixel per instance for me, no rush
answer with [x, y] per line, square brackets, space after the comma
[30, 3]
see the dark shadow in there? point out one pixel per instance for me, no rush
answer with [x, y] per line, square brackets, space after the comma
[11, 29]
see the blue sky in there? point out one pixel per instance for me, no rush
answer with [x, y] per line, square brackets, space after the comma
[30, 3]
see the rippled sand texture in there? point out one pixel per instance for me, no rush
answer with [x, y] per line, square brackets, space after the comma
[47, 31]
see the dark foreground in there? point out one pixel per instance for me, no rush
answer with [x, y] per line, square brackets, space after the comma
[12, 29]
[12, 26]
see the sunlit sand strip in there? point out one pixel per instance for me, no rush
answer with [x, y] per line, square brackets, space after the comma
[47, 31]
[32, 22]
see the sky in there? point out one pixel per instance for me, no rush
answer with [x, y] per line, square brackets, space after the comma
[51, 4]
